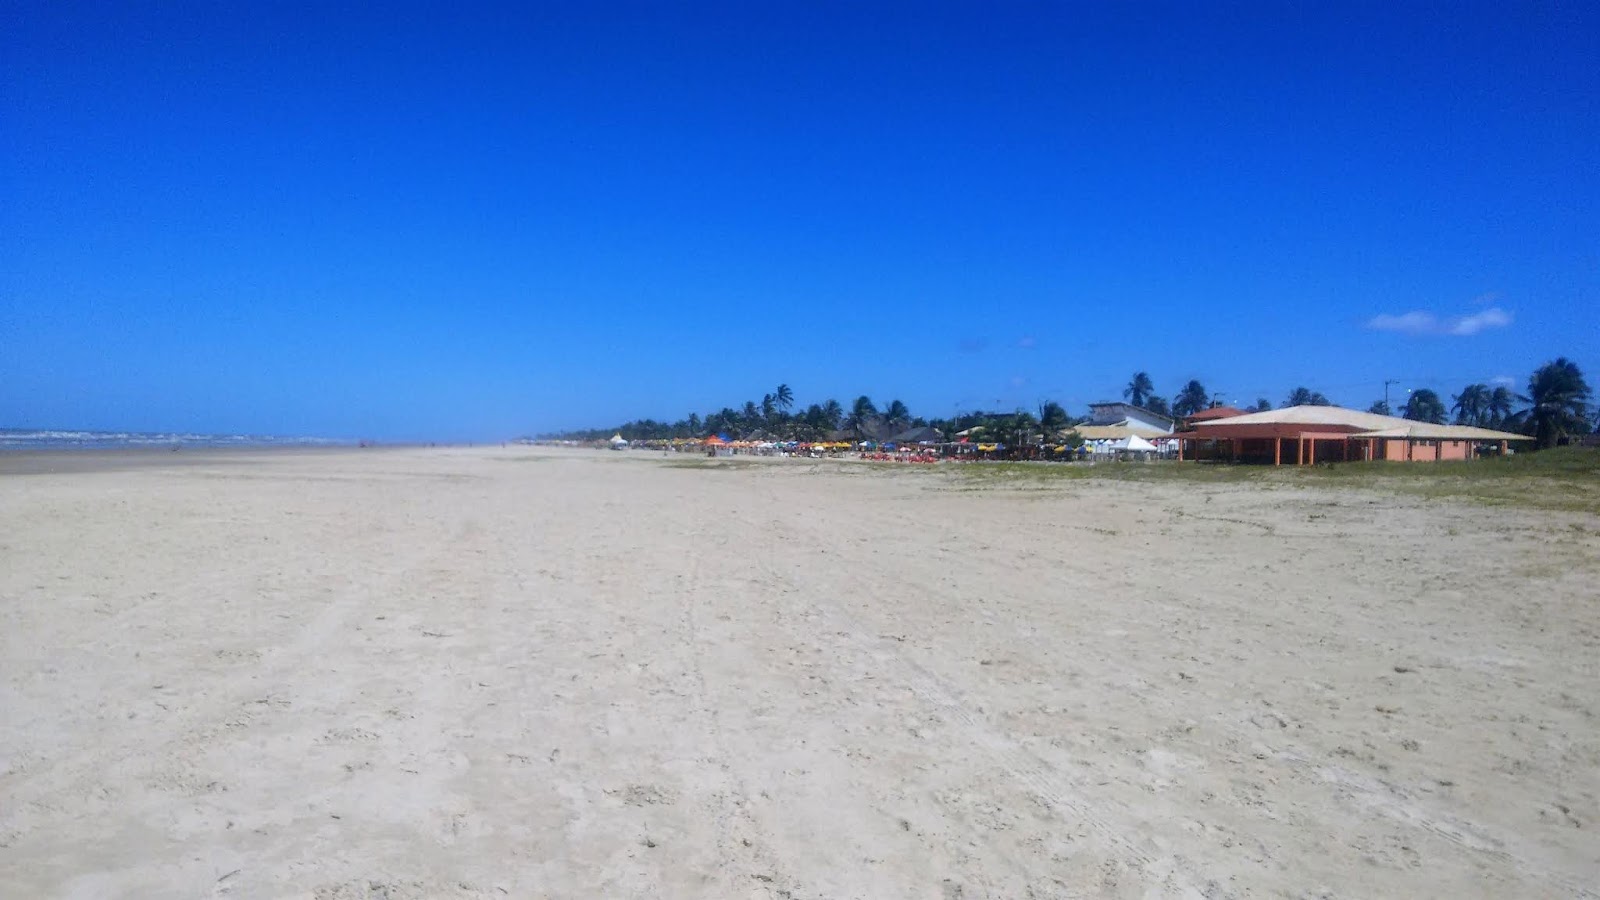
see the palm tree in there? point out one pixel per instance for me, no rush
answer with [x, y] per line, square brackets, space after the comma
[1139, 389]
[1472, 405]
[1301, 396]
[896, 415]
[750, 418]
[1263, 404]
[725, 421]
[811, 424]
[1157, 404]
[832, 414]
[1424, 406]
[1502, 403]
[1380, 407]
[861, 412]
[769, 407]
[1053, 419]
[1192, 399]
[1558, 399]
[784, 397]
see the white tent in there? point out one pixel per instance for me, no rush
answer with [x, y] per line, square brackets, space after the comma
[1134, 443]
[617, 441]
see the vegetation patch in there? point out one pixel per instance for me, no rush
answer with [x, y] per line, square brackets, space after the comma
[1565, 478]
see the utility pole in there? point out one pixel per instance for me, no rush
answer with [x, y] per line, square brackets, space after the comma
[1386, 384]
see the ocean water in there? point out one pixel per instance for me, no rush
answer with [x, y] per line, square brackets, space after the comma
[58, 439]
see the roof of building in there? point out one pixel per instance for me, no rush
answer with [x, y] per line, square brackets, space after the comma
[1215, 412]
[1370, 425]
[1311, 415]
[1121, 405]
[1116, 432]
[1430, 431]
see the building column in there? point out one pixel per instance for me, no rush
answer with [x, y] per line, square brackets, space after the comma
[1502, 448]
[1277, 451]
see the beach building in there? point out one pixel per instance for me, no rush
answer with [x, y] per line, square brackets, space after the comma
[1130, 416]
[1303, 435]
[1110, 423]
[1202, 448]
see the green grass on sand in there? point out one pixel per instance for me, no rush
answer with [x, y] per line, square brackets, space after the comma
[1566, 478]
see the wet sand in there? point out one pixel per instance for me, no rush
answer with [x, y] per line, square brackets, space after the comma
[509, 672]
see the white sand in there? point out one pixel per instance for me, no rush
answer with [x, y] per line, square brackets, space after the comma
[490, 673]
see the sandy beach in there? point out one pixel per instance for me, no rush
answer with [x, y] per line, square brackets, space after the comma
[507, 672]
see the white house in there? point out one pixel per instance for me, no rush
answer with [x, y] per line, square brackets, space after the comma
[1127, 415]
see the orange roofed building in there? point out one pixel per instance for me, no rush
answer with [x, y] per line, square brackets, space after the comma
[1303, 435]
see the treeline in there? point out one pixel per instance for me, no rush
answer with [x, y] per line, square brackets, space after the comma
[1556, 406]
[775, 417]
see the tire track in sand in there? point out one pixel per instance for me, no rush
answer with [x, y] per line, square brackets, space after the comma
[1372, 795]
[235, 703]
[733, 815]
[1036, 776]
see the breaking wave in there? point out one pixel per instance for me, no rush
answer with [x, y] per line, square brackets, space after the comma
[61, 439]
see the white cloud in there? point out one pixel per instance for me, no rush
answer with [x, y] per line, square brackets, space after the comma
[1420, 322]
[1493, 317]
[1405, 323]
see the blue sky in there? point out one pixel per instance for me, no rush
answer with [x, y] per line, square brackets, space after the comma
[469, 222]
